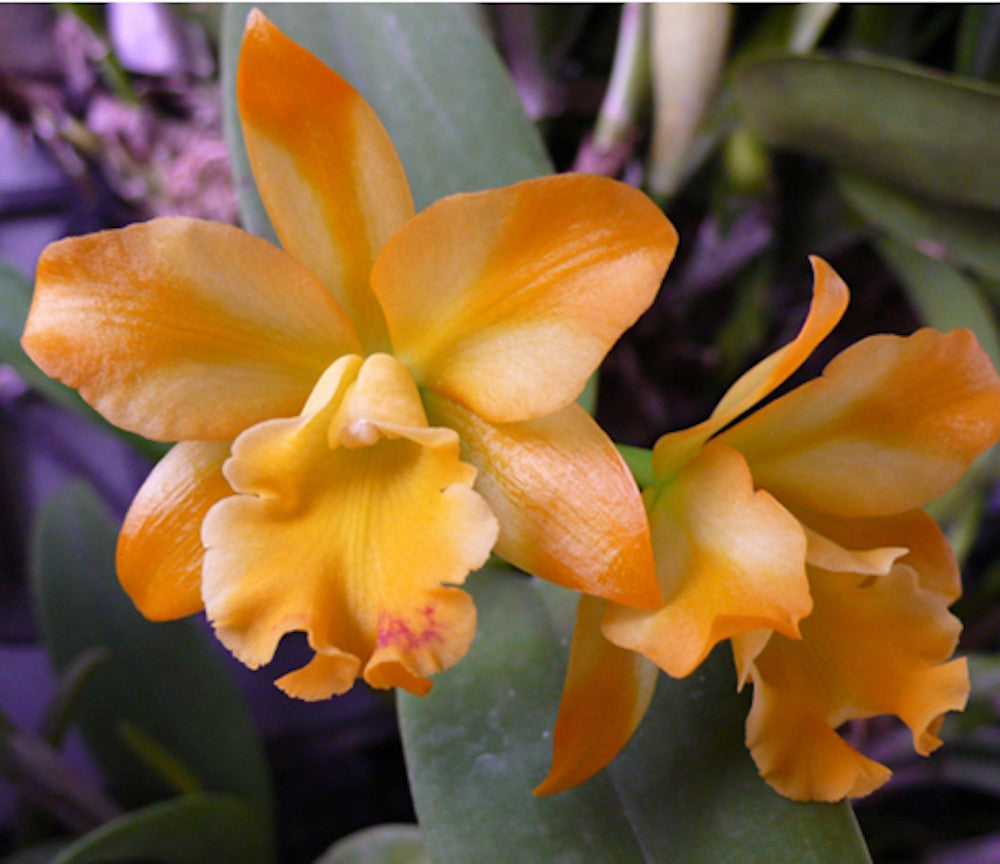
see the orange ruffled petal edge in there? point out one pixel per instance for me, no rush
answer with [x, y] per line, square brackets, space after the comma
[353, 523]
[874, 646]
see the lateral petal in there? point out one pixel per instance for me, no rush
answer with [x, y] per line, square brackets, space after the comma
[871, 647]
[892, 423]
[506, 301]
[827, 554]
[829, 302]
[568, 508]
[326, 169]
[607, 692]
[729, 560]
[356, 540]
[925, 547]
[159, 554]
[182, 329]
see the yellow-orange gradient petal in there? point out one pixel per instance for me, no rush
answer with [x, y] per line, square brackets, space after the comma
[729, 560]
[328, 174]
[828, 554]
[181, 329]
[926, 549]
[829, 302]
[351, 533]
[892, 423]
[159, 548]
[568, 508]
[871, 647]
[506, 301]
[607, 692]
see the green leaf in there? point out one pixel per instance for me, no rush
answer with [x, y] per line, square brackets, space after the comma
[931, 134]
[194, 829]
[684, 790]
[944, 297]
[164, 679]
[383, 844]
[955, 235]
[693, 793]
[71, 684]
[480, 742]
[433, 78]
[42, 853]
[977, 41]
[43, 778]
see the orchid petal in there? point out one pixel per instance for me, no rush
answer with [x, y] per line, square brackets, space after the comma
[159, 549]
[327, 171]
[925, 548]
[827, 554]
[355, 534]
[506, 301]
[607, 692]
[871, 647]
[183, 329]
[729, 559]
[539, 478]
[892, 423]
[829, 302]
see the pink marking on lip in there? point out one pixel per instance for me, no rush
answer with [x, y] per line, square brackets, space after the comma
[393, 630]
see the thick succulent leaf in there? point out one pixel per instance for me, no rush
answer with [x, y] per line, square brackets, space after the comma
[694, 795]
[481, 741]
[684, 789]
[43, 853]
[163, 696]
[192, 829]
[895, 122]
[976, 42]
[431, 75]
[383, 844]
[944, 297]
[953, 235]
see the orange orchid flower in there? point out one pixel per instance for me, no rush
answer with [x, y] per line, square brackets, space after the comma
[796, 532]
[364, 414]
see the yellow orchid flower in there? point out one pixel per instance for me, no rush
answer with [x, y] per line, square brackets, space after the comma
[364, 414]
[796, 532]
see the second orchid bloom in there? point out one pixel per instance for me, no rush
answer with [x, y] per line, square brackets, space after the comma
[364, 414]
[796, 533]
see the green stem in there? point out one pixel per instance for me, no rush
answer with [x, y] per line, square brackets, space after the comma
[640, 463]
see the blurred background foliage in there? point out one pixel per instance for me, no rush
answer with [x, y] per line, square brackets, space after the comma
[866, 134]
